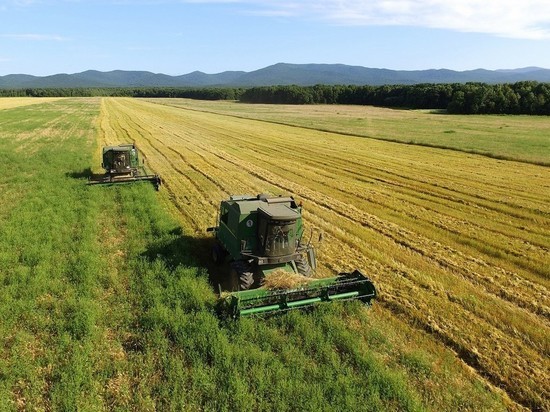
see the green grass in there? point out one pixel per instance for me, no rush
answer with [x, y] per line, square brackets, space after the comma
[104, 306]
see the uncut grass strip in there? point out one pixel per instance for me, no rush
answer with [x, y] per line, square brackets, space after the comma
[47, 280]
[7, 103]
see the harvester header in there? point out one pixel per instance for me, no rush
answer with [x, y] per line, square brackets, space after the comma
[345, 286]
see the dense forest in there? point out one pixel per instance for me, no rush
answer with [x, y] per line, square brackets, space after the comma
[525, 97]
[207, 93]
[468, 98]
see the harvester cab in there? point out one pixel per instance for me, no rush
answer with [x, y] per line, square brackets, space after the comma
[120, 160]
[262, 236]
[122, 165]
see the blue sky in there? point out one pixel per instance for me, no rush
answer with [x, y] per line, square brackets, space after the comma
[43, 37]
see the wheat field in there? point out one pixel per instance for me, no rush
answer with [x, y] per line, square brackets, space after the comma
[457, 244]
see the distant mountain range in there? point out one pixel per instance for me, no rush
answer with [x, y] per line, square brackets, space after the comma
[277, 74]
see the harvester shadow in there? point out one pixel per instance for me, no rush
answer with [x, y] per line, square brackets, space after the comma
[83, 174]
[190, 251]
[87, 174]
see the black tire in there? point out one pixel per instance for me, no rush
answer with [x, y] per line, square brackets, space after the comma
[242, 275]
[218, 254]
[246, 280]
[233, 280]
[303, 267]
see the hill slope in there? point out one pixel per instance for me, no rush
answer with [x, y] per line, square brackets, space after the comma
[277, 74]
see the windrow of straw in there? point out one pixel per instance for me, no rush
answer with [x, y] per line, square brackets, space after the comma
[282, 279]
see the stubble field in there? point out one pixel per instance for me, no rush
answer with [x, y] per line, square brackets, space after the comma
[457, 245]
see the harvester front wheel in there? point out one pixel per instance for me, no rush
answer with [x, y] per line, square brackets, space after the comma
[241, 275]
[246, 280]
[303, 267]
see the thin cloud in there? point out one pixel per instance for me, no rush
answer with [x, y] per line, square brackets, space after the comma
[21, 3]
[35, 37]
[523, 19]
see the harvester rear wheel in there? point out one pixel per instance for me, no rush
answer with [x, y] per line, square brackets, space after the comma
[218, 254]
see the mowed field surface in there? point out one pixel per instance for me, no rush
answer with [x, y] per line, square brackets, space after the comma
[457, 244]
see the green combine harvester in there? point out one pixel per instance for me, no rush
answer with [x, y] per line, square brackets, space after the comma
[263, 235]
[122, 165]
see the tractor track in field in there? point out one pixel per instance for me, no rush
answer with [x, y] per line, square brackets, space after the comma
[503, 352]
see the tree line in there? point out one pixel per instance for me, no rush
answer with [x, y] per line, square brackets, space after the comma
[206, 93]
[458, 98]
[526, 97]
